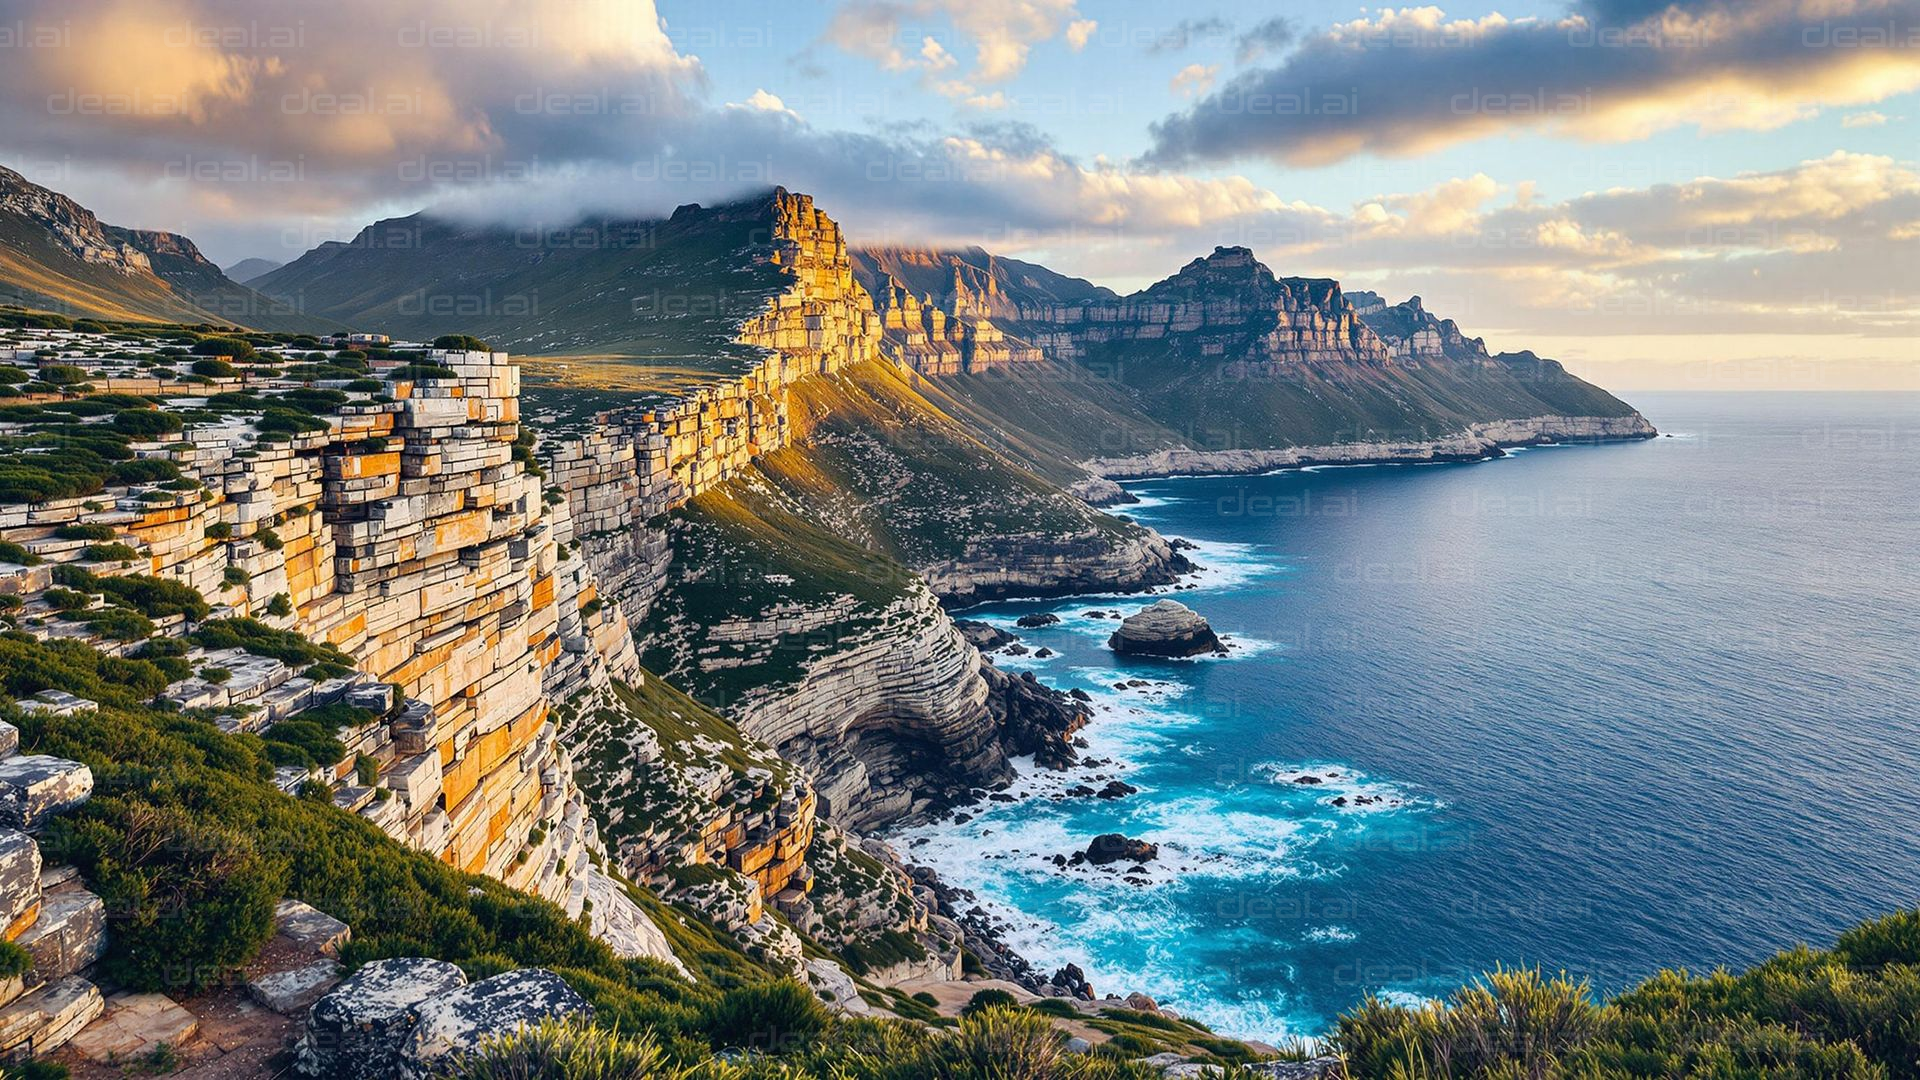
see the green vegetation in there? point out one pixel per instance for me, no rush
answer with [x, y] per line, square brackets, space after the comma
[234, 348]
[1845, 1012]
[260, 639]
[214, 369]
[461, 343]
[18, 555]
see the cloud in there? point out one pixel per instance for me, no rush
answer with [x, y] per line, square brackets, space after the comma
[1869, 118]
[1411, 80]
[1000, 33]
[1193, 79]
[1270, 36]
[1183, 34]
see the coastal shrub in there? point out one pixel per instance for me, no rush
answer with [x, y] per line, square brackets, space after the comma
[156, 598]
[14, 960]
[218, 676]
[145, 422]
[288, 421]
[303, 742]
[62, 374]
[771, 1017]
[213, 369]
[556, 1049]
[223, 346]
[421, 373]
[269, 539]
[461, 343]
[192, 898]
[108, 553]
[12, 376]
[989, 999]
[11, 552]
[143, 471]
[1004, 1043]
[281, 605]
[260, 639]
[114, 623]
[35, 1070]
[85, 532]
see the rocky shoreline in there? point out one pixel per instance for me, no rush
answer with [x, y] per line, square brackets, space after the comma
[1479, 442]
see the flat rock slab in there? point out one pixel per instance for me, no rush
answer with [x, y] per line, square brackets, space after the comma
[356, 1031]
[461, 1021]
[134, 1025]
[312, 930]
[292, 991]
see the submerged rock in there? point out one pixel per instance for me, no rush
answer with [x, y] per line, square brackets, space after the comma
[1036, 620]
[1164, 628]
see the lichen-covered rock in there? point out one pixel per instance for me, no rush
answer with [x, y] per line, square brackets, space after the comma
[1164, 628]
[357, 1030]
[460, 1022]
[35, 786]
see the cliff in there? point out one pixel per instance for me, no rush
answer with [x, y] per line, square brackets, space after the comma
[399, 530]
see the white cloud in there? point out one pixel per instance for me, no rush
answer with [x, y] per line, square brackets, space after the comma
[1193, 79]
[1000, 33]
[1869, 118]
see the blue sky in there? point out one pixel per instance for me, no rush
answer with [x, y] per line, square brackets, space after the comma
[1694, 192]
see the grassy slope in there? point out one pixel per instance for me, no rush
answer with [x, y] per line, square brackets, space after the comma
[891, 469]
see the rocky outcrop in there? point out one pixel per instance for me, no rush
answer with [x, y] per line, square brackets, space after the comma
[1226, 306]
[1164, 628]
[1041, 565]
[461, 1021]
[1479, 442]
[358, 1029]
[890, 723]
[1035, 720]
[1115, 848]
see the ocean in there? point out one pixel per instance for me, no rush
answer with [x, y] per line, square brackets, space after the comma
[1600, 708]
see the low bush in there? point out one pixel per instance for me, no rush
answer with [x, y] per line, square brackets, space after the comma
[769, 1017]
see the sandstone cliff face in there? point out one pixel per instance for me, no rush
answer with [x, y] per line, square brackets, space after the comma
[405, 534]
[1226, 305]
[886, 698]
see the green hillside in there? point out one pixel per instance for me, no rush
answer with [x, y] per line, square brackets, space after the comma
[670, 293]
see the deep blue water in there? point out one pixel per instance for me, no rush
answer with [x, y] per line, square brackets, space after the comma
[1626, 706]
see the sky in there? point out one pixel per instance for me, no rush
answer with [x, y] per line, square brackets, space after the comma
[1702, 194]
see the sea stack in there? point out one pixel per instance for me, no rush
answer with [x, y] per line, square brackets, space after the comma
[1165, 628]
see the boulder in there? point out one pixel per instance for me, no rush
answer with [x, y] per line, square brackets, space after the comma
[1036, 620]
[35, 786]
[832, 984]
[983, 636]
[461, 1021]
[1164, 628]
[1113, 847]
[357, 1030]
